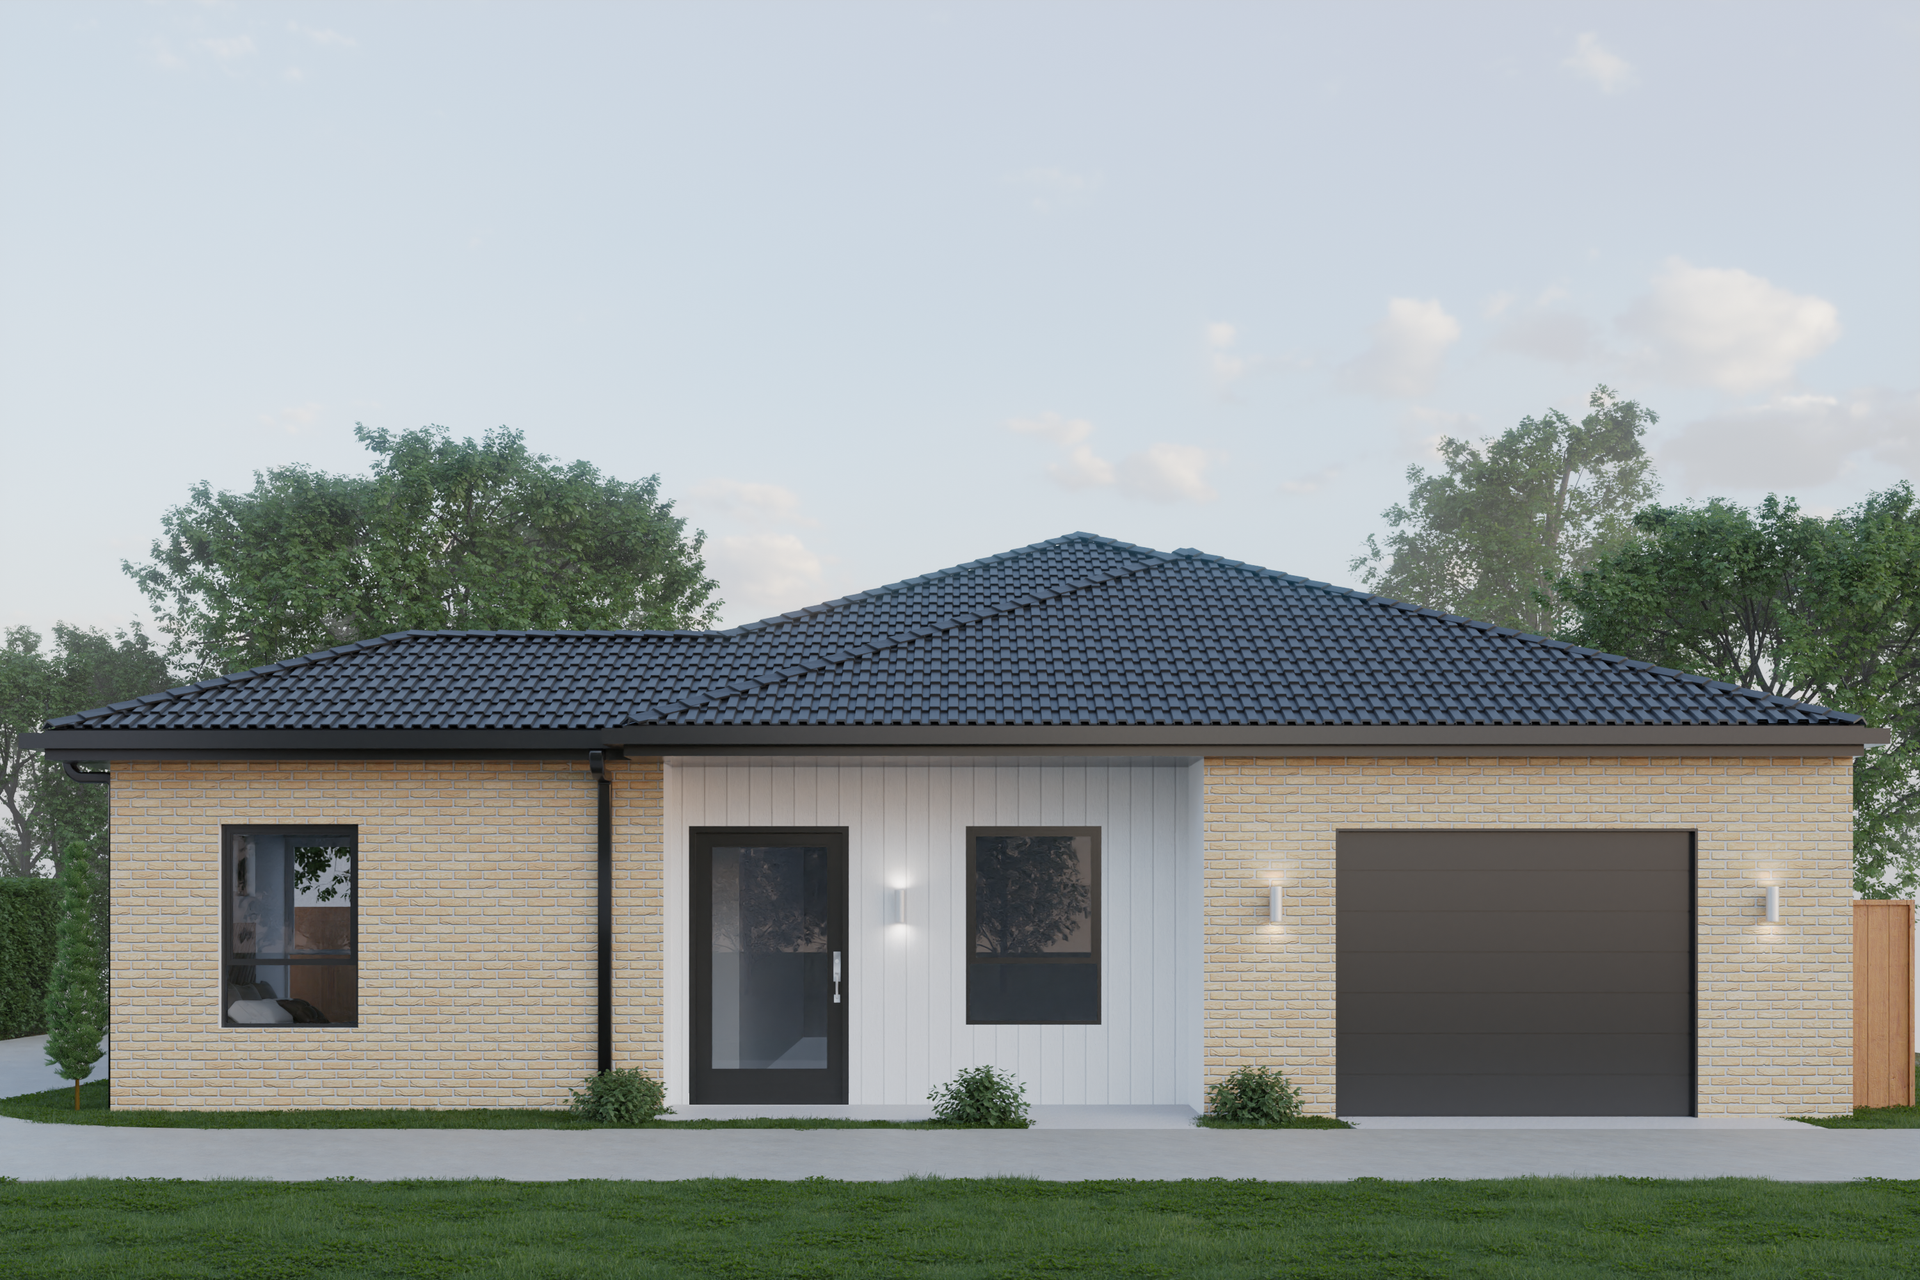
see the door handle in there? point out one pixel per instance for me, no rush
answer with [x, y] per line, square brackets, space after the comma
[836, 977]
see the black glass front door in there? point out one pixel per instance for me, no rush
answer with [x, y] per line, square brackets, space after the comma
[770, 990]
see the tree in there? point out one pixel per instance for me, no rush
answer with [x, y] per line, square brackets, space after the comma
[441, 534]
[1488, 538]
[76, 993]
[1819, 610]
[41, 809]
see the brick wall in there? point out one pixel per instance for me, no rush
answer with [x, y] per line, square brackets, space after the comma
[477, 919]
[1775, 1012]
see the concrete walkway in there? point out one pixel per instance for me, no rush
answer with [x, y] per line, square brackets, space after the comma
[24, 1068]
[1805, 1154]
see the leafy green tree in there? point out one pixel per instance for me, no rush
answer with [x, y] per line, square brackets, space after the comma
[1508, 518]
[1819, 610]
[41, 809]
[442, 533]
[77, 991]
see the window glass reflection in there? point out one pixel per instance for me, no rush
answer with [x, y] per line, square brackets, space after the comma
[772, 974]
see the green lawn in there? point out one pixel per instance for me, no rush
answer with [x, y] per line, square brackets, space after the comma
[56, 1106]
[1603, 1228]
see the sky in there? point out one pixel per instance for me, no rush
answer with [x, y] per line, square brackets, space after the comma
[881, 288]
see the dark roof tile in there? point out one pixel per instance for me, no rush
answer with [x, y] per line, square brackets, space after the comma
[1080, 630]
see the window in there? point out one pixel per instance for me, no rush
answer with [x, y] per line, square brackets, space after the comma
[290, 951]
[1033, 924]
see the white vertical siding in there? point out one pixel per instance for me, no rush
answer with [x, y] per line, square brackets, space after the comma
[906, 824]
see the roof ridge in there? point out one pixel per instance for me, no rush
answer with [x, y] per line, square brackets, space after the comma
[880, 644]
[838, 602]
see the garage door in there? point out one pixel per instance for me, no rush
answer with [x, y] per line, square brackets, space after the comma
[1518, 973]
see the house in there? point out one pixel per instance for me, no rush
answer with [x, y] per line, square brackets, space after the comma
[1118, 820]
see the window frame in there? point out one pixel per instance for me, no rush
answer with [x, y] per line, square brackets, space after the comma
[332, 834]
[1095, 954]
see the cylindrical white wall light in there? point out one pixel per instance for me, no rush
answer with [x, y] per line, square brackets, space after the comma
[1773, 904]
[1275, 901]
[896, 906]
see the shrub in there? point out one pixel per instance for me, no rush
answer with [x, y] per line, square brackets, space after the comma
[29, 911]
[621, 1096]
[76, 996]
[1254, 1095]
[982, 1097]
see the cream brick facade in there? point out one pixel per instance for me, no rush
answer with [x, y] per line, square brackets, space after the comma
[1774, 1001]
[477, 907]
[477, 899]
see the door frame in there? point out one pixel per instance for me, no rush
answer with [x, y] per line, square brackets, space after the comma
[705, 1086]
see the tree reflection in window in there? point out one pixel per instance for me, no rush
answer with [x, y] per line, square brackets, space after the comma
[1033, 895]
[769, 900]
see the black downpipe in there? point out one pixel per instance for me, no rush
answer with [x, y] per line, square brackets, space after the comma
[74, 771]
[597, 761]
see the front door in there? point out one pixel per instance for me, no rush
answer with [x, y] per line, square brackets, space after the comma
[769, 964]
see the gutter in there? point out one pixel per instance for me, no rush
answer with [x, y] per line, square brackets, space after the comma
[1208, 740]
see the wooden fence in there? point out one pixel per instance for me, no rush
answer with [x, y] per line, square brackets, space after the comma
[1883, 1061]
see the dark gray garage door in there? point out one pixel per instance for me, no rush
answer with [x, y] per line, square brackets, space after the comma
[1517, 973]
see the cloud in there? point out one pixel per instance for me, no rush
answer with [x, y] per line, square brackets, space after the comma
[1080, 469]
[761, 574]
[1161, 473]
[1593, 61]
[1727, 328]
[1407, 349]
[1550, 335]
[293, 421]
[1313, 483]
[1168, 473]
[1796, 441]
[322, 36]
[163, 55]
[228, 47]
[747, 499]
[1228, 365]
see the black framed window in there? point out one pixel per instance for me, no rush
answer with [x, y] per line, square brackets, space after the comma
[290, 926]
[1033, 925]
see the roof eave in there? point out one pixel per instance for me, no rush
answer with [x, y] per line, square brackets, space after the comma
[1199, 740]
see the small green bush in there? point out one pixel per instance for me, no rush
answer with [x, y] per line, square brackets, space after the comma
[1254, 1095]
[982, 1097]
[621, 1096]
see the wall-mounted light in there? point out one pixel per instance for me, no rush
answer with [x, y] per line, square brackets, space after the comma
[896, 906]
[1773, 904]
[1276, 901]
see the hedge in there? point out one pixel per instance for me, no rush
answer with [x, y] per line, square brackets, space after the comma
[29, 909]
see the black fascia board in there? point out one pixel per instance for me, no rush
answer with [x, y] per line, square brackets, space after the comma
[342, 744]
[214, 744]
[1238, 739]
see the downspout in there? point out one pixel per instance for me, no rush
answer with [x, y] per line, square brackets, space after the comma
[597, 761]
[99, 777]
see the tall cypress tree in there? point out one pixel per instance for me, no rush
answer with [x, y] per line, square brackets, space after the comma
[76, 995]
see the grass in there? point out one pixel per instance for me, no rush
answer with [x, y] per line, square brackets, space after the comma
[55, 1106]
[1001, 1228]
[1872, 1117]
